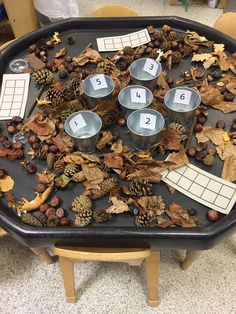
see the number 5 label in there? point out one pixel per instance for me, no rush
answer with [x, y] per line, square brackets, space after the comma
[138, 95]
[147, 121]
[151, 67]
[182, 96]
[98, 81]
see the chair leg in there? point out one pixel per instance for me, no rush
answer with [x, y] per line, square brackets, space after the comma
[152, 273]
[191, 256]
[67, 268]
[42, 252]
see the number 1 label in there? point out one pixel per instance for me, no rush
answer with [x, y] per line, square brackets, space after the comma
[182, 96]
[77, 123]
[138, 95]
[98, 81]
[147, 121]
[151, 67]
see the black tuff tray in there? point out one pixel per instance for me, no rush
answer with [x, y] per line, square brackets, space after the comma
[120, 230]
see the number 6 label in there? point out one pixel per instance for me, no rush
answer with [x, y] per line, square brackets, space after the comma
[182, 96]
[98, 81]
[151, 67]
[147, 121]
[138, 95]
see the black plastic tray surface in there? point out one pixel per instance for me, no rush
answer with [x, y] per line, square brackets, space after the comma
[120, 230]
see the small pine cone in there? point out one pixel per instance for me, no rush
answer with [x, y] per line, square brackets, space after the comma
[53, 221]
[81, 203]
[65, 114]
[128, 51]
[105, 188]
[104, 67]
[62, 71]
[158, 35]
[155, 53]
[109, 120]
[172, 36]
[100, 215]
[176, 57]
[74, 83]
[142, 220]
[75, 105]
[121, 64]
[178, 127]
[82, 219]
[181, 37]
[31, 220]
[59, 166]
[44, 77]
[55, 96]
[78, 177]
[70, 170]
[155, 206]
[43, 219]
[140, 188]
[103, 167]
[166, 45]
[41, 154]
[68, 94]
[129, 59]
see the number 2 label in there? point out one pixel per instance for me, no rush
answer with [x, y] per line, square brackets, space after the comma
[98, 81]
[138, 95]
[151, 67]
[182, 96]
[147, 121]
[77, 123]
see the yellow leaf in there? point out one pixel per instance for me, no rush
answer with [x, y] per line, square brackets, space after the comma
[201, 56]
[219, 48]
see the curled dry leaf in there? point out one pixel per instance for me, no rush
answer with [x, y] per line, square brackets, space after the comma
[6, 184]
[229, 168]
[63, 142]
[169, 139]
[225, 150]
[46, 177]
[151, 175]
[153, 205]
[61, 53]
[161, 81]
[196, 73]
[89, 55]
[74, 158]
[106, 138]
[180, 216]
[118, 206]
[40, 125]
[180, 158]
[112, 160]
[106, 106]
[207, 58]
[231, 86]
[215, 135]
[92, 173]
[11, 154]
[117, 147]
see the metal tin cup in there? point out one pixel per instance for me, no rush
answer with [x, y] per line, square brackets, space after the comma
[98, 86]
[84, 128]
[145, 71]
[181, 103]
[145, 126]
[134, 97]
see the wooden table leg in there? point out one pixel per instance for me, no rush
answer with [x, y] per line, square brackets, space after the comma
[191, 256]
[42, 252]
[152, 273]
[67, 268]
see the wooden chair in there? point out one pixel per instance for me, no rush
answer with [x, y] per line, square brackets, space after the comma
[113, 11]
[69, 255]
[227, 24]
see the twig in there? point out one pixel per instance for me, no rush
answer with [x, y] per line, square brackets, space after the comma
[31, 109]
[190, 133]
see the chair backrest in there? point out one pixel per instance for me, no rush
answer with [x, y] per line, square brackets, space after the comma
[227, 24]
[113, 11]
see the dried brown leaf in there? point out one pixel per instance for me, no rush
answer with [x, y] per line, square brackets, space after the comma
[118, 206]
[151, 175]
[112, 160]
[117, 147]
[106, 138]
[161, 81]
[229, 168]
[226, 149]
[92, 173]
[90, 55]
[219, 48]
[180, 158]
[63, 142]
[180, 216]
[46, 177]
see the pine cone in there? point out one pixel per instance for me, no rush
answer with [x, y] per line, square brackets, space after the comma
[158, 34]
[62, 71]
[142, 220]
[129, 59]
[31, 220]
[70, 170]
[155, 206]
[100, 215]
[44, 77]
[75, 105]
[172, 36]
[74, 83]
[43, 219]
[181, 37]
[53, 221]
[105, 188]
[41, 154]
[166, 45]
[82, 219]
[68, 94]
[109, 120]
[65, 114]
[55, 96]
[179, 128]
[78, 177]
[128, 51]
[140, 188]
[59, 166]
[103, 167]
[81, 203]
[104, 67]
[176, 57]
[121, 64]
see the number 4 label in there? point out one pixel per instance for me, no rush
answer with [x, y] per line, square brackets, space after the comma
[182, 96]
[138, 95]
[98, 82]
[151, 67]
[77, 123]
[147, 121]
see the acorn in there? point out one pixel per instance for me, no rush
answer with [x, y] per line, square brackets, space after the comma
[220, 124]
[64, 221]
[201, 119]
[191, 151]
[18, 145]
[40, 187]
[199, 156]
[198, 128]
[209, 160]
[213, 215]
[211, 151]
[30, 168]
[3, 173]
[121, 122]
[55, 201]
[229, 97]
[11, 129]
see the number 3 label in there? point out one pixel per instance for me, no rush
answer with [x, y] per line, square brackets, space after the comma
[98, 81]
[77, 123]
[147, 121]
[151, 67]
[138, 95]
[182, 96]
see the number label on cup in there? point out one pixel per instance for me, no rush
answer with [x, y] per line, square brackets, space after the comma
[98, 82]
[182, 96]
[151, 67]
[147, 121]
[138, 95]
[77, 123]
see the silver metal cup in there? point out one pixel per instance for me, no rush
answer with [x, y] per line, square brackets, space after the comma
[181, 103]
[145, 126]
[145, 71]
[134, 97]
[84, 128]
[98, 86]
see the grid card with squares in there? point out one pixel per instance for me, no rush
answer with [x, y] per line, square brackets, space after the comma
[202, 187]
[14, 94]
[119, 42]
